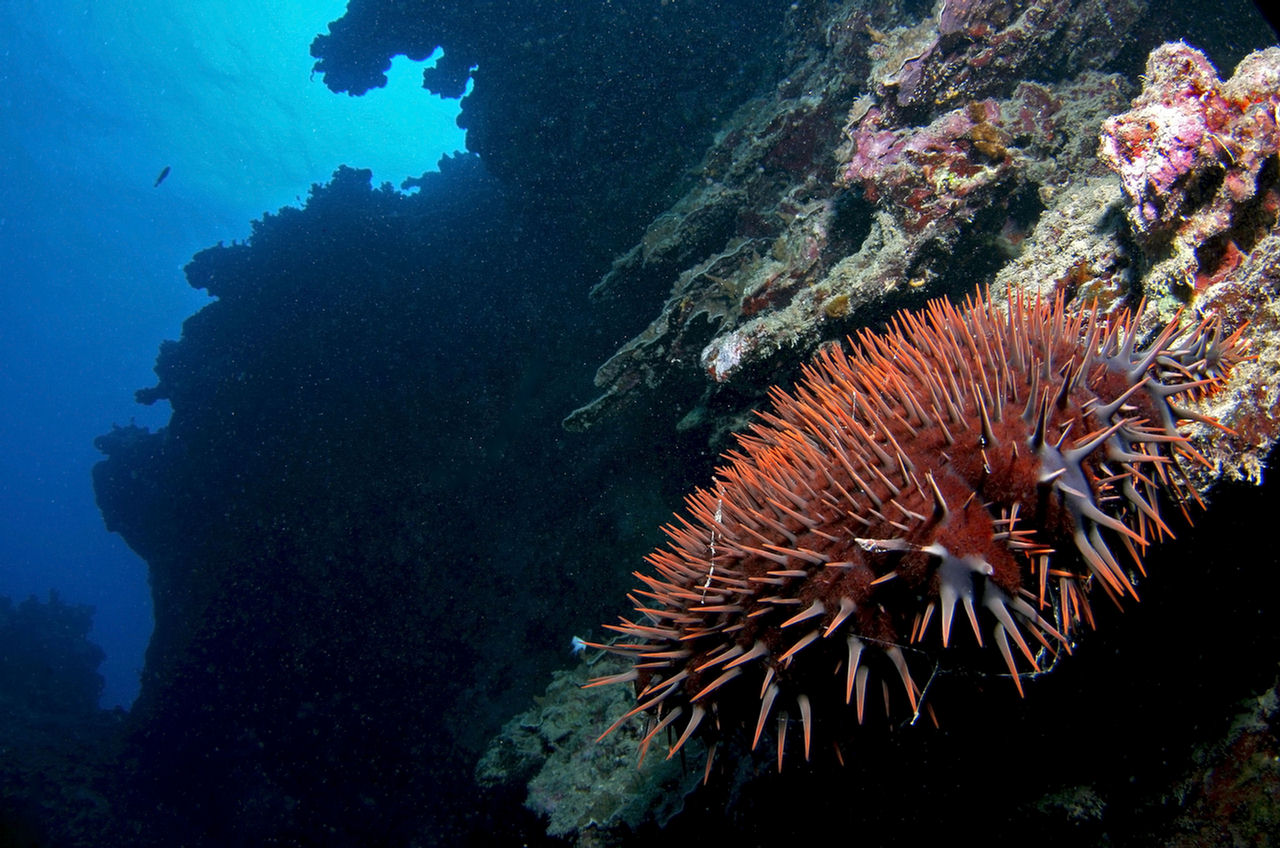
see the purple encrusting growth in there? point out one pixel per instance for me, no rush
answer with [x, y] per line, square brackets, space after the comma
[1001, 462]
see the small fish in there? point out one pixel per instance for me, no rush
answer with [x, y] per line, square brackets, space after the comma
[163, 174]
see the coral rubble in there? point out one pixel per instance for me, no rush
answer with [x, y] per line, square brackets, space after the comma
[585, 790]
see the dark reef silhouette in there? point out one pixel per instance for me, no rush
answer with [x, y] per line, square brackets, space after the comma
[60, 751]
[48, 660]
[358, 520]
[585, 111]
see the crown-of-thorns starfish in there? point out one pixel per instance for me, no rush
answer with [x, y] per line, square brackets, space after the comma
[976, 459]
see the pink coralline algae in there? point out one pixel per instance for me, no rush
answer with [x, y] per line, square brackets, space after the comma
[1192, 148]
[930, 173]
[936, 178]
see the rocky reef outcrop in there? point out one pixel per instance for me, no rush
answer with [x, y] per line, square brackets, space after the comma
[900, 156]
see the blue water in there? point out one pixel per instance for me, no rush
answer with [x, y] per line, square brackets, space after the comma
[94, 104]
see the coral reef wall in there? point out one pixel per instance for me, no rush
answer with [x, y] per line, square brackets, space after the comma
[369, 537]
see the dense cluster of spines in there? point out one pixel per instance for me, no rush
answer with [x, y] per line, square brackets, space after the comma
[981, 459]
